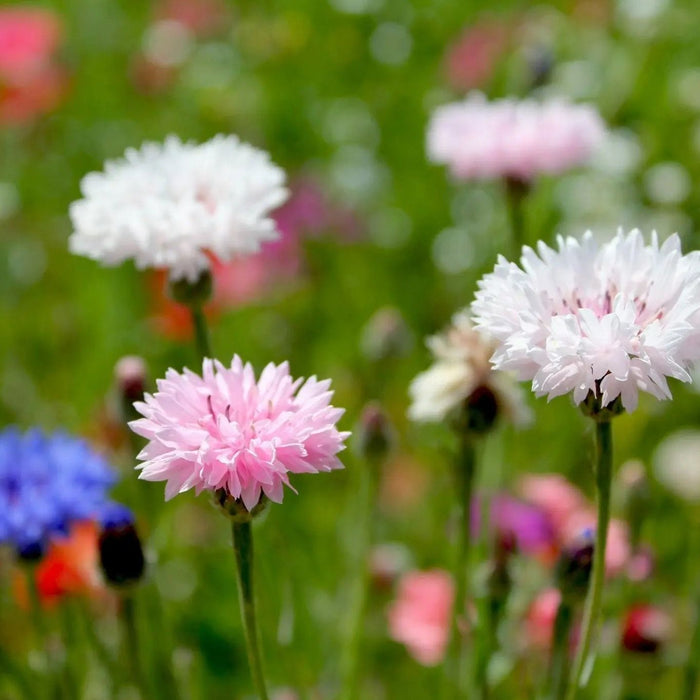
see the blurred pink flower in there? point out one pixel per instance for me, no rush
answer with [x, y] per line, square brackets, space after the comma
[31, 83]
[539, 621]
[570, 513]
[478, 139]
[225, 430]
[471, 60]
[420, 616]
[556, 496]
[200, 17]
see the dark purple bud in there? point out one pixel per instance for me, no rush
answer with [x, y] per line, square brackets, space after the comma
[121, 554]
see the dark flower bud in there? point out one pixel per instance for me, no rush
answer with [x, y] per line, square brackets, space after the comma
[130, 375]
[121, 554]
[195, 293]
[31, 552]
[375, 436]
[540, 62]
[574, 567]
[646, 629]
[386, 335]
[480, 411]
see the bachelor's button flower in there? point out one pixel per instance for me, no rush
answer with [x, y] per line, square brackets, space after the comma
[519, 140]
[607, 321]
[172, 205]
[462, 370]
[47, 483]
[228, 431]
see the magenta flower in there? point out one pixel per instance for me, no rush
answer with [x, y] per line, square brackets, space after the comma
[225, 430]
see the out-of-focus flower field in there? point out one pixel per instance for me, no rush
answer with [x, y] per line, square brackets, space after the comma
[378, 249]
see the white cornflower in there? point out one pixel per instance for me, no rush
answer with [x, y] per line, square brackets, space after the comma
[612, 320]
[172, 205]
[461, 370]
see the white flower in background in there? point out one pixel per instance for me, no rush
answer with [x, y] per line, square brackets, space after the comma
[613, 320]
[171, 205]
[461, 369]
[677, 464]
[519, 139]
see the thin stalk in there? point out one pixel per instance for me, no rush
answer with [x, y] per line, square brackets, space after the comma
[464, 477]
[692, 666]
[243, 549]
[358, 601]
[556, 687]
[103, 654]
[516, 191]
[71, 643]
[603, 475]
[132, 642]
[201, 332]
[16, 676]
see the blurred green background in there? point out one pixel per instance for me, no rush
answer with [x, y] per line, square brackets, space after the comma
[340, 91]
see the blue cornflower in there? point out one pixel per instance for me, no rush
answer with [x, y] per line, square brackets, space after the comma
[48, 482]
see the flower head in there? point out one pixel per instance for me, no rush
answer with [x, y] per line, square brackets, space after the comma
[47, 483]
[478, 139]
[462, 370]
[31, 80]
[225, 430]
[172, 205]
[420, 615]
[612, 320]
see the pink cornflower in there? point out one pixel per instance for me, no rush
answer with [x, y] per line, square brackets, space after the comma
[31, 83]
[225, 430]
[513, 139]
[609, 320]
[420, 615]
[471, 60]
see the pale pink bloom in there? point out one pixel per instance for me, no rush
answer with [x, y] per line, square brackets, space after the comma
[420, 616]
[539, 621]
[478, 139]
[611, 320]
[225, 430]
[553, 494]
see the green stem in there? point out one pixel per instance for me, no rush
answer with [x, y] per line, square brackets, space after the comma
[464, 476]
[603, 474]
[132, 642]
[556, 689]
[516, 191]
[692, 667]
[103, 654]
[16, 676]
[243, 548]
[201, 332]
[358, 605]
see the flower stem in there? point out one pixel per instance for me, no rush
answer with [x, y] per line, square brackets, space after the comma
[132, 644]
[464, 477]
[243, 548]
[516, 191]
[201, 332]
[556, 689]
[692, 667]
[358, 602]
[603, 475]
